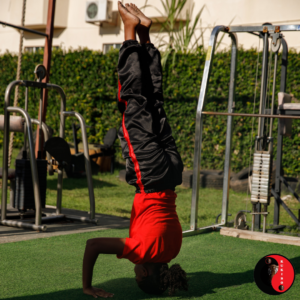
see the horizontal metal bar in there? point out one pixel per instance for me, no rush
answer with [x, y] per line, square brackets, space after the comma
[259, 189]
[261, 179]
[259, 184]
[261, 201]
[260, 193]
[289, 112]
[198, 231]
[24, 29]
[262, 155]
[261, 158]
[264, 28]
[259, 197]
[261, 164]
[255, 34]
[83, 219]
[277, 197]
[51, 218]
[282, 179]
[202, 229]
[261, 168]
[16, 123]
[249, 115]
[260, 174]
[25, 225]
[35, 84]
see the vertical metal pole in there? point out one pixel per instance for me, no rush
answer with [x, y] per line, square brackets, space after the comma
[226, 180]
[34, 173]
[41, 124]
[264, 79]
[265, 219]
[47, 64]
[12, 192]
[5, 154]
[75, 137]
[273, 93]
[60, 172]
[264, 75]
[199, 125]
[253, 216]
[284, 62]
[33, 165]
[26, 109]
[88, 168]
[265, 83]
[87, 160]
[196, 172]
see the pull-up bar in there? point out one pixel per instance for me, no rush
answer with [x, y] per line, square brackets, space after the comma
[249, 115]
[24, 29]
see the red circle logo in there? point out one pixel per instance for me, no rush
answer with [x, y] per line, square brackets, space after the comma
[274, 274]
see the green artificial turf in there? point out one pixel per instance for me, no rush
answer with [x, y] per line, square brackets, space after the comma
[219, 267]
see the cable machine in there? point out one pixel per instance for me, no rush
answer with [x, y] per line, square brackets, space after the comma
[261, 188]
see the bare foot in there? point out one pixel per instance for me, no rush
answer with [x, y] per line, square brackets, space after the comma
[144, 27]
[145, 21]
[130, 22]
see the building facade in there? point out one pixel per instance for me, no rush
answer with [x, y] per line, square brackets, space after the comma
[72, 30]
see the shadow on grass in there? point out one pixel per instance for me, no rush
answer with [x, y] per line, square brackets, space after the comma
[123, 211]
[200, 284]
[77, 183]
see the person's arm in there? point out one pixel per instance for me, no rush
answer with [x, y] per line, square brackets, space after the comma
[93, 248]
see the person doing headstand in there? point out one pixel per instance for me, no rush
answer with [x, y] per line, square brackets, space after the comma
[153, 166]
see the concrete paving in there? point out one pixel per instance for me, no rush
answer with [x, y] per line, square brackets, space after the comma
[63, 227]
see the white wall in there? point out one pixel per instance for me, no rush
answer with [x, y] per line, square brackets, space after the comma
[78, 33]
[250, 12]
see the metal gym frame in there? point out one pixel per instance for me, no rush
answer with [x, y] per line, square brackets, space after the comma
[47, 52]
[265, 32]
[35, 179]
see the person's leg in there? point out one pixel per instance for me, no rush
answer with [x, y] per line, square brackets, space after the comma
[152, 55]
[145, 23]
[130, 22]
[147, 163]
[161, 125]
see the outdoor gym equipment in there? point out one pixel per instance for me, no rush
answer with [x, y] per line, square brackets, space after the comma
[261, 189]
[11, 123]
[48, 34]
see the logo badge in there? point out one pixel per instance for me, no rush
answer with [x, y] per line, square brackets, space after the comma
[274, 274]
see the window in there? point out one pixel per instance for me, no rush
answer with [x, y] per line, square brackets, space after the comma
[35, 49]
[107, 47]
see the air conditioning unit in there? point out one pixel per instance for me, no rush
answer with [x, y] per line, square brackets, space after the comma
[98, 11]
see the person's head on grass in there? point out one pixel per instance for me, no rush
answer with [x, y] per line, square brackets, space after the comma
[155, 278]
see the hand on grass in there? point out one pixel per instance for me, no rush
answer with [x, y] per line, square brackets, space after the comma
[95, 292]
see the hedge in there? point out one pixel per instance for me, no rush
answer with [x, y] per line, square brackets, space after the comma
[89, 79]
